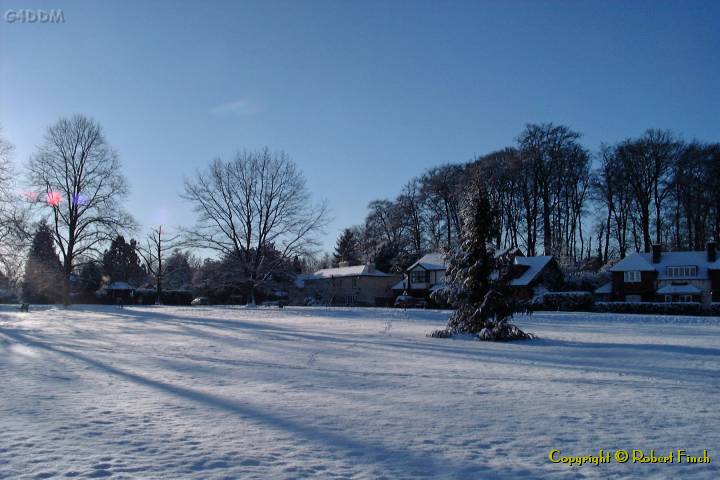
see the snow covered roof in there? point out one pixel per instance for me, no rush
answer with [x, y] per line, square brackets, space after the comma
[431, 261]
[604, 289]
[643, 262]
[119, 286]
[354, 271]
[679, 290]
[400, 285]
[535, 266]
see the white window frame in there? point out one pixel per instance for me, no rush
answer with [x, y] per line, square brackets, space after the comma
[686, 298]
[417, 273]
[632, 276]
[668, 298]
[682, 271]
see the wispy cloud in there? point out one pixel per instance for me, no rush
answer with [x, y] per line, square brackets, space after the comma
[240, 108]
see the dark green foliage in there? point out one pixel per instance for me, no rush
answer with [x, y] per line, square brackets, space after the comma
[347, 249]
[43, 272]
[477, 280]
[121, 262]
[178, 272]
[91, 277]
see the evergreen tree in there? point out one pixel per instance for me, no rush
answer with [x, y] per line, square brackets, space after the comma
[43, 271]
[178, 272]
[347, 249]
[121, 262]
[91, 276]
[477, 280]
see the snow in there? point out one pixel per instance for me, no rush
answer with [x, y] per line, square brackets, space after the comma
[356, 270]
[230, 392]
[643, 262]
[535, 266]
[604, 289]
[679, 289]
[431, 261]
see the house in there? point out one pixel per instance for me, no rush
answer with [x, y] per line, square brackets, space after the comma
[528, 273]
[423, 276]
[659, 276]
[351, 285]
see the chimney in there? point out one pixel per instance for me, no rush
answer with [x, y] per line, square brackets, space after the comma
[656, 253]
[370, 267]
[711, 251]
[343, 264]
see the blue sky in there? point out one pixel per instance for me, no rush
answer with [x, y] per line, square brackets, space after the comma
[362, 95]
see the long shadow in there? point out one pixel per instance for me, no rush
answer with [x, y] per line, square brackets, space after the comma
[653, 347]
[396, 459]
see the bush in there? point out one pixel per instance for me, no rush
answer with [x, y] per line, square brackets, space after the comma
[565, 301]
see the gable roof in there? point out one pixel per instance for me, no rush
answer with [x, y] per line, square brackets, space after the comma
[354, 271]
[535, 266]
[431, 261]
[643, 262]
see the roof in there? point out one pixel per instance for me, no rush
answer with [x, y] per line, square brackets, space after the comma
[679, 289]
[643, 262]
[604, 289]
[431, 261]
[119, 286]
[354, 271]
[535, 266]
[300, 279]
[400, 285]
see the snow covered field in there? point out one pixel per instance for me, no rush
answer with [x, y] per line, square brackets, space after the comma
[212, 392]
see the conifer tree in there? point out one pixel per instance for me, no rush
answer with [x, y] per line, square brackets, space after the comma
[122, 263]
[43, 271]
[477, 280]
[346, 248]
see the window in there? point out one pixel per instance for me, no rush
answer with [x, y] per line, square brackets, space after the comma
[354, 282]
[668, 298]
[682, 271]
[686, 298]
[632, 276]
[417, 276]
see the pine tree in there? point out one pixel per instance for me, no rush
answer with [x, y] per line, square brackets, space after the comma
[477, 280]
[346, 248]
[121, 262]
[43, 271]
[178, 271]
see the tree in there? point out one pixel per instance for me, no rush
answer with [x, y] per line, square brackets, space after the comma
[43, 272]
[156, 248]
[121, 262]
[78, 176]
[346, 248]
[483, 304]
[91, 276]
[255, 208]
[14, 232]
[178, 271]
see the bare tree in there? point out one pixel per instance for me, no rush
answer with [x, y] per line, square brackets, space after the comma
[77, 175]
[156, 248]
[14, 233]
[255, 208]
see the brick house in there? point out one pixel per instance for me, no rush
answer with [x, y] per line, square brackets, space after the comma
[660, 276]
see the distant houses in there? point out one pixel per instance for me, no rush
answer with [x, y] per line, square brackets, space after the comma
[357, 285]
[529, 275]
[666, 277]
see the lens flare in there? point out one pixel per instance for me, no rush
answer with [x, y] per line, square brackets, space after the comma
[54, 198]
[80, 199]
[30, 196]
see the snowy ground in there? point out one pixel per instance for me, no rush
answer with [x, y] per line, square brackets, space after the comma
[206, 392]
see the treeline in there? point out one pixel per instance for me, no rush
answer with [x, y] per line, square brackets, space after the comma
[556, 197]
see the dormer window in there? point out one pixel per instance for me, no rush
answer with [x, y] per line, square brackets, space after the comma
[632, 276]
[417, 276]
[682, 271]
